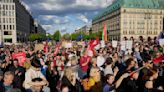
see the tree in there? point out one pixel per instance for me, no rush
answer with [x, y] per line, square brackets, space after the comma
[35, 36]
[57, 35]
[66, 36]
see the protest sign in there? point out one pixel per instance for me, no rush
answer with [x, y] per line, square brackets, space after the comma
[114, 44]
[39, 47]
[102, 44]
[21, 57]
[129, 45]
[161, 42]
[123, 45]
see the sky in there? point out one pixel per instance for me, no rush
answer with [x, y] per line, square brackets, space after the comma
[64, 15]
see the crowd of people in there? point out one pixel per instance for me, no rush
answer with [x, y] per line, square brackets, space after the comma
[59, 69]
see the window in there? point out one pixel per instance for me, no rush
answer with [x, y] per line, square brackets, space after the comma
[13, 7]
[8, 40]
[6, 7]
[4, 27]
[7, 33]
[10, 27]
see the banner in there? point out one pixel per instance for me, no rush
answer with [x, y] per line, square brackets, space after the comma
[114, 44]
[21, 56]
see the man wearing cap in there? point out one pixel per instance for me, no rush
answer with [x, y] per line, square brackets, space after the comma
[34, 72]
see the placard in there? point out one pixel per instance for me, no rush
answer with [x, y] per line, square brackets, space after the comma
[123, 45]
[161, 42]
[129, 45]
[39, 47]
[21, 56]
[102, 44]
[114, 43]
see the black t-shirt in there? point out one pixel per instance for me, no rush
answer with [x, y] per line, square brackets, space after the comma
[128, 85]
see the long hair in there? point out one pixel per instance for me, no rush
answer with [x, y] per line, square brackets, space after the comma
[68, 72]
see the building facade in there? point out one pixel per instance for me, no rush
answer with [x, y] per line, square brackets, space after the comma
[131, 19]
[85, 29]
[16, 23]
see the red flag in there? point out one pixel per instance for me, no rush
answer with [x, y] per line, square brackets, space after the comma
[46, 47]
[158, 60]
[57, 50]
[104, 35]
[91, 46]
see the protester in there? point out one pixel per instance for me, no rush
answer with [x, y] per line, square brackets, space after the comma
[82, 67]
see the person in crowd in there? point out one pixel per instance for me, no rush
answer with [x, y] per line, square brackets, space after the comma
[19, 73]
[84, 63]
[110, 86]
[6, 64]
[109, 67]
[64, 88]
[52, 76]
[34, 72]
[8, 82]
[37, 85]
[1, 76]
[129, 84]
[95, 80]
[151, 84]
[100, 60]
[70, 80]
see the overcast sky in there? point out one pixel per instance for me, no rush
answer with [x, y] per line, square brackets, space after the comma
[65, 14]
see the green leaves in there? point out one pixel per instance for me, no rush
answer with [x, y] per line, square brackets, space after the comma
[34, 37]
[57, 36]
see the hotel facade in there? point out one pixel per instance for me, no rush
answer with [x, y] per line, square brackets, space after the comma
[131, 19]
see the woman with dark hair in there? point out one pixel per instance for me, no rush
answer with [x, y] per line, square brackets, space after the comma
[52, 76]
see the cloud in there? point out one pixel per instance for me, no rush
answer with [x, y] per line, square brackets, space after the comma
[83, 18]
[65, 14]
[59, 7]
[53, 19]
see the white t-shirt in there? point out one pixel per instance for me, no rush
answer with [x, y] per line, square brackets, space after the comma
[100, 61]
[31, 74]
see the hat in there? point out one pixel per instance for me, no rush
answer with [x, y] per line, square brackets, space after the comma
[1, 73]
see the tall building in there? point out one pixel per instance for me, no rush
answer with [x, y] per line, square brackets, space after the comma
[38, 28]
[131, 19]
[16, 23]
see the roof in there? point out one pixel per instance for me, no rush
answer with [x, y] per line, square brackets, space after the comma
[144, 4]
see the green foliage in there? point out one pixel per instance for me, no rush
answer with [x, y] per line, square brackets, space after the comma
[57, 36]
[92, 35]
[34, 37]
[66, 36]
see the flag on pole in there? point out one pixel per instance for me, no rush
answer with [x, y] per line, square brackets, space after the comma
[104, 33]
